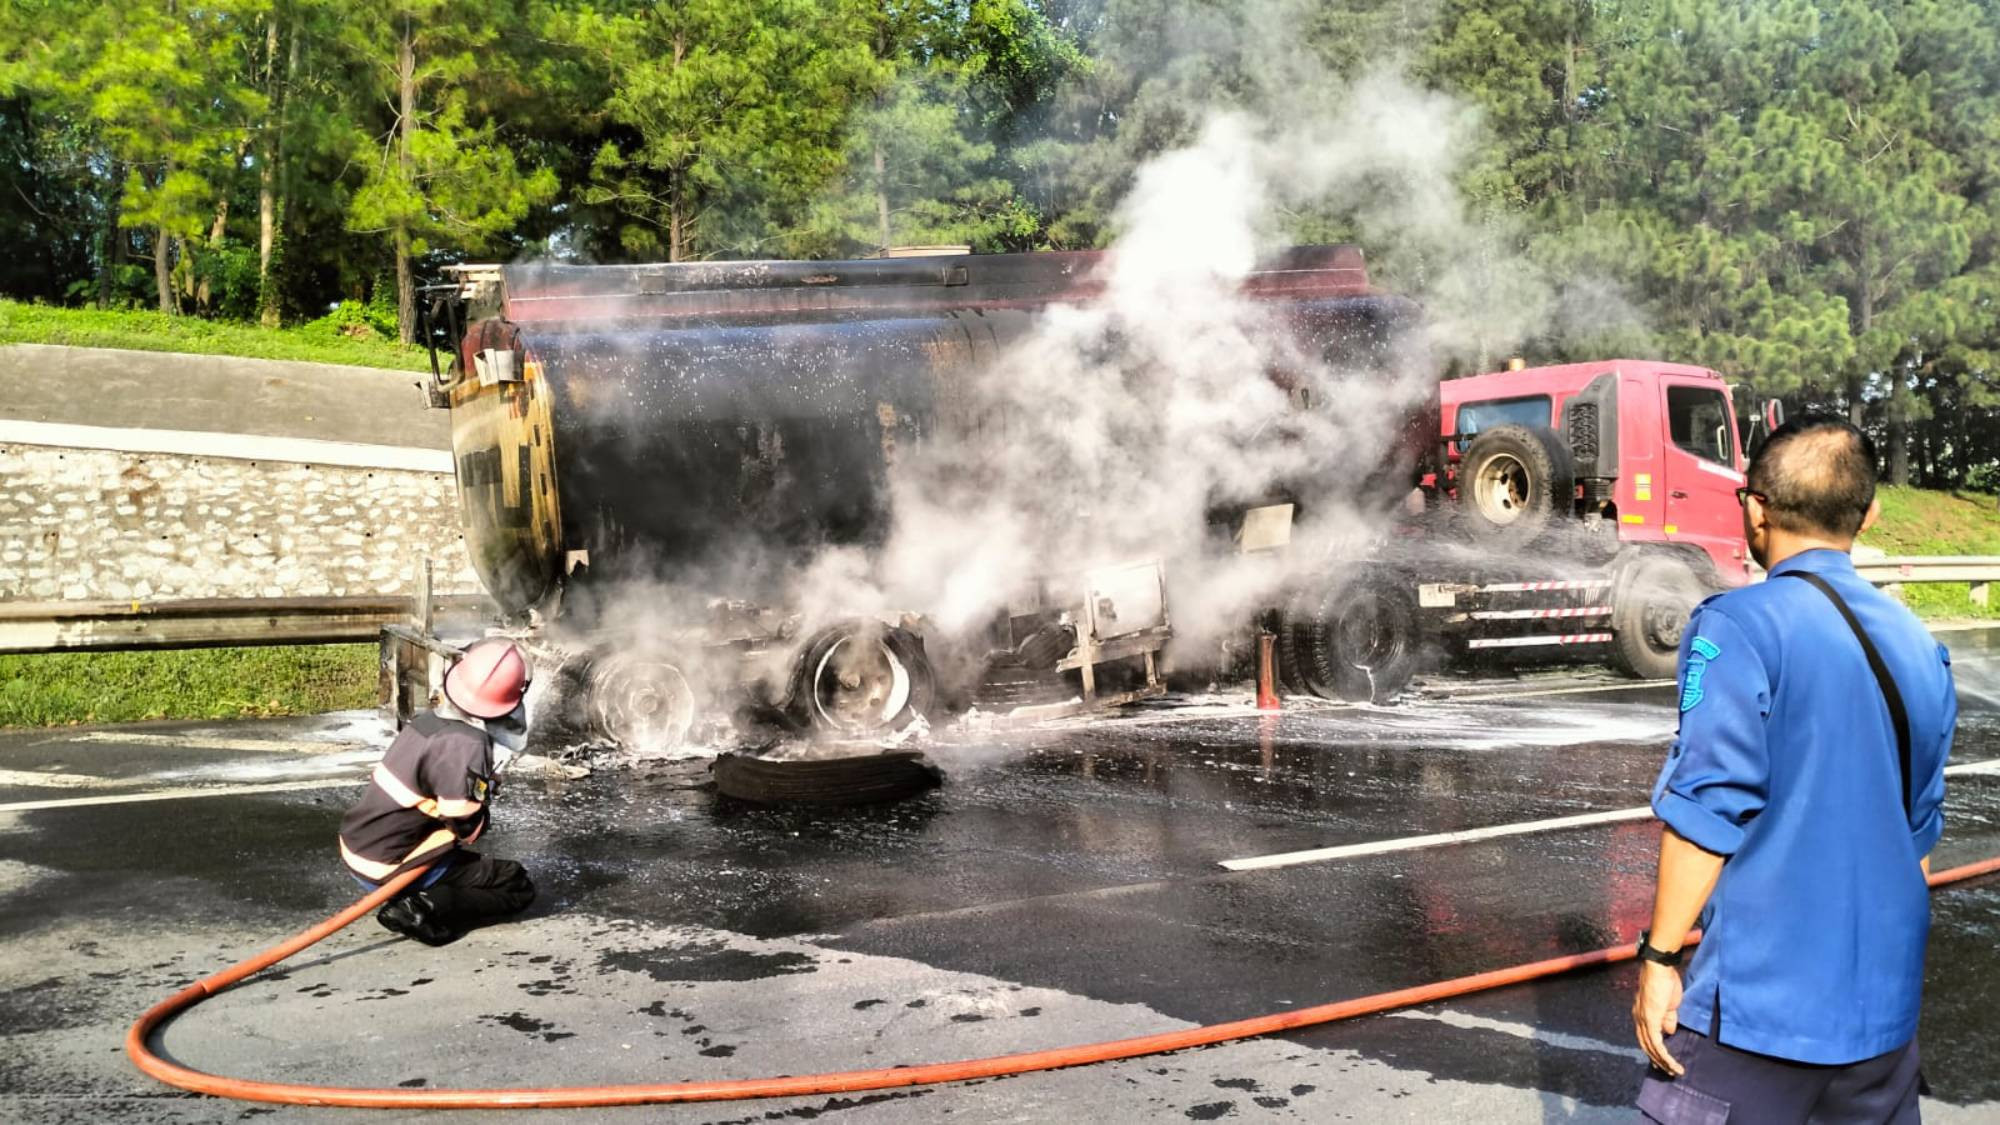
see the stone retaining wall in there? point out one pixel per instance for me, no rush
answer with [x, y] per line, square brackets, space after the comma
[98, 525]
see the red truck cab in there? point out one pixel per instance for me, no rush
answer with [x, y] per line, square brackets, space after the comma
[1654, 446]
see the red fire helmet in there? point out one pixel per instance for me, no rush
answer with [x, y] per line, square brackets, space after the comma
[488, 681]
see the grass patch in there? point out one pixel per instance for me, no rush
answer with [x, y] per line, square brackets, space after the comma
[60, 688]
[1917, 521]
[158, 332]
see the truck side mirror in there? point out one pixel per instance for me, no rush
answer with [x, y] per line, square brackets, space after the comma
[1774, 415]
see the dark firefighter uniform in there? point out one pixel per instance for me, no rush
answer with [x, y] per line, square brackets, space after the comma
[428, 799]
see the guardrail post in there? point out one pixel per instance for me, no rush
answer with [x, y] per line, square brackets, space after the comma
[1980, 592]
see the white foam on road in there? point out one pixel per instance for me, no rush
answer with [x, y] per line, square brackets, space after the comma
[47, 780]
[183, 794]
[197, 740]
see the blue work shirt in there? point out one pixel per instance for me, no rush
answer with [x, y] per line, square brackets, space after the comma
[1786, 765]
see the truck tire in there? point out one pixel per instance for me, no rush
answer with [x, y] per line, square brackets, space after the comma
[1514, 484]
[862, 677]
[1360, 642]
[852, 779]
[1649, 609]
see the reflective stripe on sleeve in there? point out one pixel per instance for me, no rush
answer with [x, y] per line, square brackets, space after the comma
[403, 794]
[455, 809]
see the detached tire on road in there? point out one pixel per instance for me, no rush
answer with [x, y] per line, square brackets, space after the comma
[853, 779]
[1514, 484]
[1650, 607]
[1358, 642]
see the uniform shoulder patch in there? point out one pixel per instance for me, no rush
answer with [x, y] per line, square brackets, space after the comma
[1701, 650]
[477, 787]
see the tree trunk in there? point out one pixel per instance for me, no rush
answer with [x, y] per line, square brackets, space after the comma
[406, 81]
[162, 271]
[882, 198]
[1899, 426]
[272, 221]
[267, 174]
[676, 220]
[112, 254]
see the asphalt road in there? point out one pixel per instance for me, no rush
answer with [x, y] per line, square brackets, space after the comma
[1064, 886]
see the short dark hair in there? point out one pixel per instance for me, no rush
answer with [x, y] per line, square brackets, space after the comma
[1817, 476]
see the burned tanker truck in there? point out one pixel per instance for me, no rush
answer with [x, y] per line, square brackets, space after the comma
[648, 455]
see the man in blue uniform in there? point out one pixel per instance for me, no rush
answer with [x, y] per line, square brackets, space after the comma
[1801, 801]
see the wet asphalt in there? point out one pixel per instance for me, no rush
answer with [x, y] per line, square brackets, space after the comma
[1062, 886]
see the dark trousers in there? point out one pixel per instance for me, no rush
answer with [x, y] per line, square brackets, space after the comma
[476, 890]
[1724, 1084]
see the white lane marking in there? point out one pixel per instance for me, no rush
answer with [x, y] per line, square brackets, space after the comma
[52, 780]
[1559, 1039]
[1471, 835]
[1436, 839]
[235, 447]
[1532, 693]
[182, 794]
[204, 742]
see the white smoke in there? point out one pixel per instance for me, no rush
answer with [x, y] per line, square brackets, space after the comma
[1123, 423]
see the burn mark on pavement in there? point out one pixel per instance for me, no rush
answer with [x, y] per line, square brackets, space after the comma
[1210, 1111]
[529, 1025]
[705, 961]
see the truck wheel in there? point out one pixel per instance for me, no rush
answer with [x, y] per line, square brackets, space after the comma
[640, 704]
[1295, 648]
[862, 677]
[1361, 642]
[1515, 482]
[1649, 612]
[849, 779]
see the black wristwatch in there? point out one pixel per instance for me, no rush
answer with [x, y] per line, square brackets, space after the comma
[1657, 956]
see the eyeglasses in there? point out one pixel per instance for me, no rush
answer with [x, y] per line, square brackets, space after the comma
[1743, 494]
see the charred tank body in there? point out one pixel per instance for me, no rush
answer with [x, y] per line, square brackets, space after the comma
[707, 428]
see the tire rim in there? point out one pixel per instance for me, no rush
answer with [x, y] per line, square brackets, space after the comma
[643, 705]
[859, 688]
[1500, 488]
[1666, 620]
[1361, 640]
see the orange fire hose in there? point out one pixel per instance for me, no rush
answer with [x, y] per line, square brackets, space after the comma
[842, 1082]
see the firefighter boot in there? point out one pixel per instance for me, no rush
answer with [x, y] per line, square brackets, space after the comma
[415, 915]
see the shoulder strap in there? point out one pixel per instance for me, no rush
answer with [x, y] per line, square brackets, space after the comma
[1899, 717]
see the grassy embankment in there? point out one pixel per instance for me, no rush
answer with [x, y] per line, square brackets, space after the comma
[216, 683]
[1919, 522]
[195, 683]
[157, 332]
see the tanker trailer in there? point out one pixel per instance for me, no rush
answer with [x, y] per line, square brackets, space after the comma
[647, 454]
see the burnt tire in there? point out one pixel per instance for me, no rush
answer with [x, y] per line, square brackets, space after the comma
[857, 779]
[1360, 642]
[896, 684]
[1515, 484]
[1650, 606]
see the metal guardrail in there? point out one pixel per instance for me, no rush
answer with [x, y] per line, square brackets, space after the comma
[32, 627]
[1898, 569]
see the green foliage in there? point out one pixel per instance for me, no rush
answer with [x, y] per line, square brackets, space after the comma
[220, 683]
[1799, 193]
[155, 332]
[1920, 522]
[726, 115]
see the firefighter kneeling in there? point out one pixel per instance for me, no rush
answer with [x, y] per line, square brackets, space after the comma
[429, 799]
